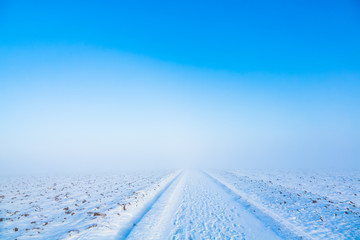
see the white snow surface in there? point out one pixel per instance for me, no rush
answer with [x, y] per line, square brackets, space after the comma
[185, 204]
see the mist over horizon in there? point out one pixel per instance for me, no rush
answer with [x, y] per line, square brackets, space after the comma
[107, 111]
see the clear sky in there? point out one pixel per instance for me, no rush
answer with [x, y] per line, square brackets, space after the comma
[117, 84]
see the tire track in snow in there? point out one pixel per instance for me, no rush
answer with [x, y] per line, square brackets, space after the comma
[155, 224]
[279, 225]
[126, 230]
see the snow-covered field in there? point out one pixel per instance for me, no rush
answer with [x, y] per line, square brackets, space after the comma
[72, 207]
[183, 205]
[320, 205]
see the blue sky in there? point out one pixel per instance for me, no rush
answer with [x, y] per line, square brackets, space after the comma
[297, 37]
[232, 83]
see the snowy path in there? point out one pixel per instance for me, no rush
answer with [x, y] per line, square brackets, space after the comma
[195, 207]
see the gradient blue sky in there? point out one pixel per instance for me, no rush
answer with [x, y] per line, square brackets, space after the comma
[115, 84]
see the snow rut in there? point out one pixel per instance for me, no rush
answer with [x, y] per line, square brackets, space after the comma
[127, 230]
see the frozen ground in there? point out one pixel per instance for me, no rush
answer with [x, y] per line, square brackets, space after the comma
[183, 205]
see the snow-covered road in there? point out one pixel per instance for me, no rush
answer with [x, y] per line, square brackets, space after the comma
[194, 206]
